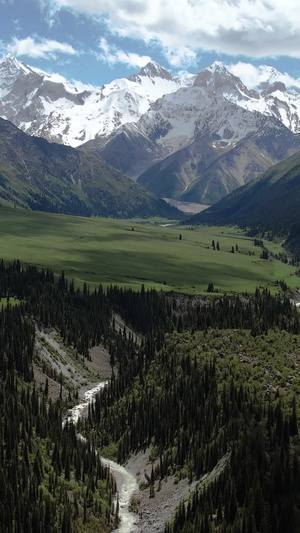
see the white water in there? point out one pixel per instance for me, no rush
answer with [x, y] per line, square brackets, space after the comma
[126, 482]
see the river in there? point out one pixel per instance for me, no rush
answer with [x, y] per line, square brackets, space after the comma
[126, 482]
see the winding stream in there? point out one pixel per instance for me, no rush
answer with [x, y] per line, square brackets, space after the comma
[126, 482]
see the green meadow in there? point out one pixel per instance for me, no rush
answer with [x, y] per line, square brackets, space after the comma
[132, 252]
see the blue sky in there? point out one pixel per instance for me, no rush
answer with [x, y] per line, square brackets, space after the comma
[96, 41]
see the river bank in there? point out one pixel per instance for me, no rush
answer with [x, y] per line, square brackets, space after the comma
[137, 511]
[89, 377]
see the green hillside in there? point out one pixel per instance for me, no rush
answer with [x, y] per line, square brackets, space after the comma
[270, 203]
[36, 174]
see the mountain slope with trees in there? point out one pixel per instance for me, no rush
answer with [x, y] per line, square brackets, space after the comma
[225, 369]
[231, 406]
[36, 174]
[270, 203]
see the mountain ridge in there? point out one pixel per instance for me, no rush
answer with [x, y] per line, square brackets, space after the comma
[39, 175]
[192, 138]
[189, 136]
[199, 143]
[72, 113]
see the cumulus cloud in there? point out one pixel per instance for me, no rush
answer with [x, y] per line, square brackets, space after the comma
[111, 55]
[255, 28]
[252, 76]
[38, 48]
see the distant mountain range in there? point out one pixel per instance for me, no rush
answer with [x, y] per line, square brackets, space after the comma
[36, 174]
[47, 105]
[193, 138]
[199, 143]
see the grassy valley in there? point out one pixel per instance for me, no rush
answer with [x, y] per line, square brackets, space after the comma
[132, 252]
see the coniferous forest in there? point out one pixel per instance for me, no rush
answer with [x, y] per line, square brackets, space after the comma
[210, 386]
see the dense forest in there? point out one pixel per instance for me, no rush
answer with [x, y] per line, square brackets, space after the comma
[218, 376]
[50, 480]
[223, 366]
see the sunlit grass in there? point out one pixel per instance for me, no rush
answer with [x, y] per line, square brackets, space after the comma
[132, 252]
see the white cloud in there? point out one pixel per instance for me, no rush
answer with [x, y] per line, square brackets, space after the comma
[256, 28]
[111, 54]
[39, 48]
[181, 57]
[252, 76]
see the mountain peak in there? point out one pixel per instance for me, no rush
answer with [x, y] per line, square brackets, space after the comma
[9, 58]
[271, 72]
[14, 64]
[216, 77]
[154, 70]
[217, 66]
[272, 80]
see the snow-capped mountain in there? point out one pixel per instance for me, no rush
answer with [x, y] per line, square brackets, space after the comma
[170, 133]
[272, 98]
[199, 134]
[172, 123]
[49, 106]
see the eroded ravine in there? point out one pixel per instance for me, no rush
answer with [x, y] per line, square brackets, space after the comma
[126, 482]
